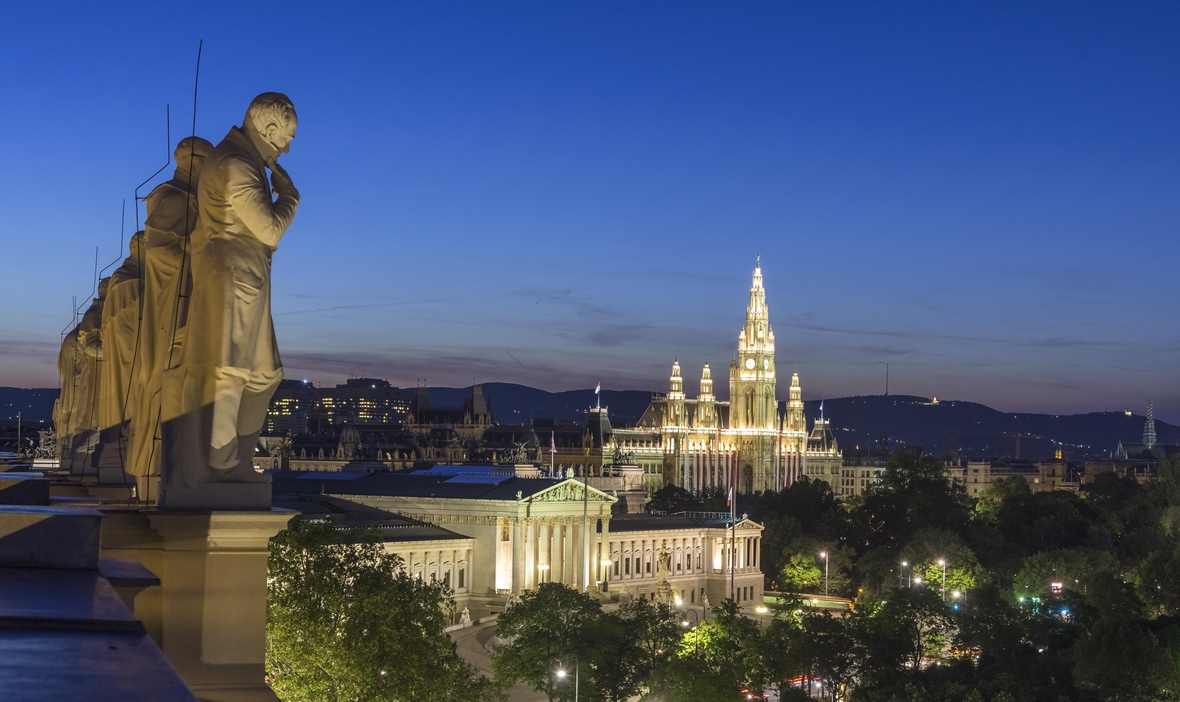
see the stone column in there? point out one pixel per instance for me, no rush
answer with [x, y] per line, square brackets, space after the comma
[535, 552]
[546, 545]
[526, 535]
[571, 564]
[517, 557]
[606, 554]
[209, 613]
[579, 566]
[454, 569]
[557, 568]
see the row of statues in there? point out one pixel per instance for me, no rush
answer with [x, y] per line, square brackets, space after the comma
[167, 378]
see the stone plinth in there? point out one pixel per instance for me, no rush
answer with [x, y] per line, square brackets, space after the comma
[49, 537]
[209, 613]
[24, 489]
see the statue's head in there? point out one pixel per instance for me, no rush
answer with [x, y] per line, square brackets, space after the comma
[191, 153]
[272, 116]
[102, 287]
[136, 243]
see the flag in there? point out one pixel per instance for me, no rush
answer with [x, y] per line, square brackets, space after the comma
[729, 499]
[598, 388]
[552, 443]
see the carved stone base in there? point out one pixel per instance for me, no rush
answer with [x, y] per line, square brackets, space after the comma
[147, 489]
[209, 613]
[220, 496]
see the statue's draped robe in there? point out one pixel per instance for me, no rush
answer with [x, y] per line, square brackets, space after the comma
[120, 329]
[216, 400]
[63, 409]
[88, 378]
[171, 216]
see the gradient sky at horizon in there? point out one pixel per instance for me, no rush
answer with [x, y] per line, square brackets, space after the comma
[982, 194]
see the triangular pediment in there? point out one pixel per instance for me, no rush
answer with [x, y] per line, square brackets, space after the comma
[572, 491]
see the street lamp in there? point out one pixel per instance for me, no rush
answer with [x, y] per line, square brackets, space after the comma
[901, 574]
[824, 555]
[561, 676]
[942, 562]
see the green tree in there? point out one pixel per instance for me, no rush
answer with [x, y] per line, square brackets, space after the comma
[344, 622]
[550, 628]
[801, 574]
[654, 633]
[1122, 660]
[716, 662]
[1001, 490]
[1073, 568]
[963, 571]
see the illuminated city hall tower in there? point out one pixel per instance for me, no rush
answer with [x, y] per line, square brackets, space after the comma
[747, 442]
[753, 405]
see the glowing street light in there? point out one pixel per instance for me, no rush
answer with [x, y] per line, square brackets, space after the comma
[824, 555]
[942, 562]
[561, 676]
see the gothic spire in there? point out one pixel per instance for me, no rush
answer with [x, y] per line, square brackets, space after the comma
[1149, 427]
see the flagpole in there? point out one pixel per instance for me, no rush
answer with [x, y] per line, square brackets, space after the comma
[585, 530]
[732, 541]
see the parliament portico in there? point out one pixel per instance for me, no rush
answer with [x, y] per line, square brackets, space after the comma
[500, 534]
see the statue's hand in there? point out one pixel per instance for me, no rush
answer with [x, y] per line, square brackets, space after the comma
[281, 182]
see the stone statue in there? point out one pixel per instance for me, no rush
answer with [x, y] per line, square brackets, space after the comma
[664, 594]
[118, 332]
[86, 376]
[63, 408]
[465, 617]
[215, 401]
[167, 285]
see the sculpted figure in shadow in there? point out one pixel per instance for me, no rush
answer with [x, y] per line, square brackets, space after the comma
[215, 400]
[82, 361]
[167, 286]
[118, 332]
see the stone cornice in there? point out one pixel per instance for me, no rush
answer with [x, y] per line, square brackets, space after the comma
[202, 531]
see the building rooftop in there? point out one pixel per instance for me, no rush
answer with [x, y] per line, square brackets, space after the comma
[409, 484]
[345, 513]
[678, 520]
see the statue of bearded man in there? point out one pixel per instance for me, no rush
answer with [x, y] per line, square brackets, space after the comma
[167, 285]
[215, 402]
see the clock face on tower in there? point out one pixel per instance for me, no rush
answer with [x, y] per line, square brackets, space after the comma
[750, 364]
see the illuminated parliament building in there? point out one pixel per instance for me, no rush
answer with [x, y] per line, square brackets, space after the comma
[748, 442]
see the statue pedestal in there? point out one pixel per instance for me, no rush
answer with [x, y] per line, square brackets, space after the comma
[209, 613]
[253, 496]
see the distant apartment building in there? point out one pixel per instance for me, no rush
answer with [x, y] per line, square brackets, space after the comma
[362, 401]
[860, 469]
[1045, 476]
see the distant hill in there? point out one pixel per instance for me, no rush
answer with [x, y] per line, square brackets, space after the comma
[975, 430]
[34, 404]
[516, 404]
[978, 431]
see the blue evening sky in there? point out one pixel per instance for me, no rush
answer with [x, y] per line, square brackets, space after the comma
[982, 194]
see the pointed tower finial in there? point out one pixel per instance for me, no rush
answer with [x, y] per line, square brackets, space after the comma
[1149, 427]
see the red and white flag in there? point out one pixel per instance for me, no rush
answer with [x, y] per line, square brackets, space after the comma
[729, 499]
[552, 443]
[598, 388]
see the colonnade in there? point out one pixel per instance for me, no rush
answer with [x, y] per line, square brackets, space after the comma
[634, 559]
[556, 549]
[448, 565]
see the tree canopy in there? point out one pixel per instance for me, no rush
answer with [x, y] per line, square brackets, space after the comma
[345, 623]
